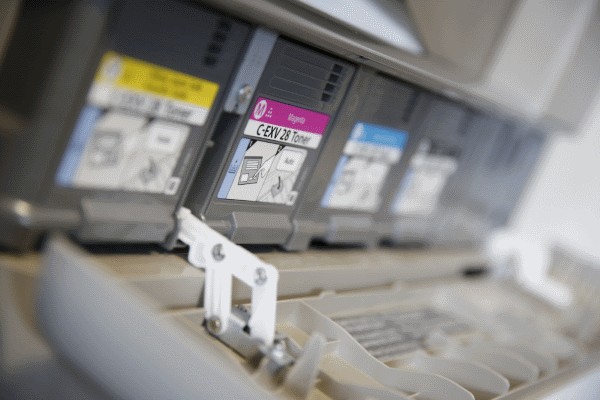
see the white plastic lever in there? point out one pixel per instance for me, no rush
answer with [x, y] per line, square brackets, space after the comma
[222, 260]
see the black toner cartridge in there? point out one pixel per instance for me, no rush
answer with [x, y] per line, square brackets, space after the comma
[362, 163]
[112, 116]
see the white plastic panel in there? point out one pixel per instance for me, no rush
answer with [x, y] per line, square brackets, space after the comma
[131, 336]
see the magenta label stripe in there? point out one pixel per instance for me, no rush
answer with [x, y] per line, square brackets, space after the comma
[280, 114]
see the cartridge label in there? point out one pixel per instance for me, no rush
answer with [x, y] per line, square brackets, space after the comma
[420, 190]
[263, 172]
[132, 134]
[283, 123]
[361, 173]
[138, 86]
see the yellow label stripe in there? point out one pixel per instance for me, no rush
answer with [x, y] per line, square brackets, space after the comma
[130, 73]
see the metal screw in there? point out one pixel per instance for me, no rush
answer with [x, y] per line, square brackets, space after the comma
[278, 353]
[214, 325]
[260, 276]
[244, 94]
[217, 252]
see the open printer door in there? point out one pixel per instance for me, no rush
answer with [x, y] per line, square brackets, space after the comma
[286, 199]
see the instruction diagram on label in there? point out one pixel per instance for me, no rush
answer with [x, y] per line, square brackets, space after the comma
[132, 133]
[263, 172]
[361, 172]
[286, 124]
[421, 187]
[129, 152]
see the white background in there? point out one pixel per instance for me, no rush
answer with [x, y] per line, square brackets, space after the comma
[562, 202]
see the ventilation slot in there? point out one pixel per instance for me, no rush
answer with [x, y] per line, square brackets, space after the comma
[332, 82]
[307, 76]
[215, 46]
[408, 111]
[466, 123]
[513, 153]
[444, 149]
[505, 140]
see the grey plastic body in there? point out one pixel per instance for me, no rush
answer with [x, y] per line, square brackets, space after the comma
[412, 212]
[42, 189]
[494, 160]
[377, 131]
[485, 194]
[248, 185]
[462, 215]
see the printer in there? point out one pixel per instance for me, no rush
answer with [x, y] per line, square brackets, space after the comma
[287, 199]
